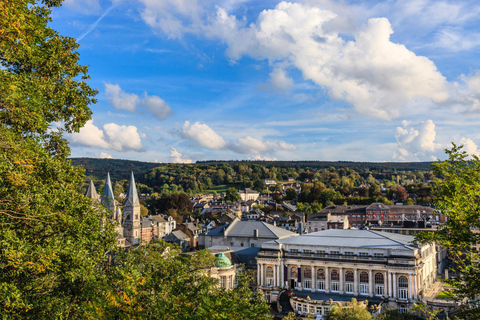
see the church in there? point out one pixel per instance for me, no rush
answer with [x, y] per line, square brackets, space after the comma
[128, 224]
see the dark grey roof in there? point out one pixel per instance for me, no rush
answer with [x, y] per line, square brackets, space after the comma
[158, 218]
[92, 192]
[176, 235]
[352, 239]
[246, 229]
[132, 195]
[108, 196]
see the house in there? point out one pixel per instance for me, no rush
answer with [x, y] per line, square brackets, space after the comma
[324, 221]
[248, 194]
[270, 182]
[165, 224]
[179, 238]
[337, 265]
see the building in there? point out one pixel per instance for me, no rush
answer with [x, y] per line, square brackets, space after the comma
[325, 221]
[225, 268]
[270, 182]
[179, 238]
[248, 194]
[336, 265]
[131, 214]
[243, 234]
[165, 225]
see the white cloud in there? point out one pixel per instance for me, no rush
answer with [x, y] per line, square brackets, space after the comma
[111, 136]
[469, 146]
[375, 75]
[104, 155]
[280, 81]
[130, 101]
[120, 99]
[177, 157]
[260, 158]
[455, 39]
[252, 145]
[157, 106]
[416, 143]
[203, 135]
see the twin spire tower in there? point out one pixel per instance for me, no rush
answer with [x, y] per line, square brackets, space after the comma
[128, 225]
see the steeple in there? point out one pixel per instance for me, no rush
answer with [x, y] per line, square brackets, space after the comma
[92, 192]
[108, 197]
[132, 195]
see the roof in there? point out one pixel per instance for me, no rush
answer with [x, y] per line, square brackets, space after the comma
[240, 228]
[158, 218]
[108, 196]
[92, 192]
[176, 235]
[132, 195]
[352, 239]
[344, 209]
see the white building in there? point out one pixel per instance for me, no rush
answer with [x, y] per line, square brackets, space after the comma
[248, 194]
[341, 264]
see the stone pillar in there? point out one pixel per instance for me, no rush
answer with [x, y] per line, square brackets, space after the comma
[415, 287]
[394, 282]
[327, 280]
[313, 286]
[262, 281]
[274, 276]
[341, 281]
[385, 292]
[355, 282]
[370, 283]
[389, 284]
[258, 274]
[282, 274]
[410, 286]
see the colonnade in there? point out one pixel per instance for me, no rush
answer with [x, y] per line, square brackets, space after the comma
[272, 274]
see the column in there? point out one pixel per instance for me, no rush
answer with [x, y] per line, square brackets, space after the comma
[299, 270]
[258, 273]
[394, 282]
[282, 274]
[385, 284]
[327, 280]
[313, 286]
[274, 276]
[355, 282]
[261, 275]
[370, 283]
[389, 282]
[415, 287]
[341, 281]
[410, 286]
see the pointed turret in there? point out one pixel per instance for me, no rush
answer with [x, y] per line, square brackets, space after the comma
[131, 214]
[132, 195]
[108, 198]
[92, 192]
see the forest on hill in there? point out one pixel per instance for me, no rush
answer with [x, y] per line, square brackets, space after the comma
[338, 183]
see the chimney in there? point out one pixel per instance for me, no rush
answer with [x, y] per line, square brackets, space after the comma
[255, 233]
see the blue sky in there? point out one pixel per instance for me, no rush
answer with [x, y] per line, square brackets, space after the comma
[188, 80]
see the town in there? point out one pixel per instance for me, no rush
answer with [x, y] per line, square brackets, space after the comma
[302, 263]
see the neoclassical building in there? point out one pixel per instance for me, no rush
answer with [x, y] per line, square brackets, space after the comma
[340, 264]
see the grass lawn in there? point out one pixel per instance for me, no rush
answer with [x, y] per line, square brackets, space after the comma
[445, 295]
[221, 188]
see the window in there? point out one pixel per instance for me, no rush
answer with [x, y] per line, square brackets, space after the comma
[307, 273]
[307, 251]
[222, 282]
[364, 283]
[403, 308]
[312, 310]
[252, 245]
[379, 284]
[229, 282]
[335, 253]
[293, 250]
[334, 283]
[321, 285]
[319, 311]
[241, 244]
[348, 253]
[335, 276]
[305, 308]
[308, 284]
[321, 274]
[378, 255]
[349, 282]
[403, 287]
[334, 286]
[363, 254]
[231, 243]
[321, 253]
[269, 272]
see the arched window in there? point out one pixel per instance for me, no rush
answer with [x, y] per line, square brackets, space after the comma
[320, 274]
[363, 277]
[402, 287]
[294, 272]
[379, 278]
[335, 276]
[307, 273]
[403, 282]
[349, 276]
[269, 272]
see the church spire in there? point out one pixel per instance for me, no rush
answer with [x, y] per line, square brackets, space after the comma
[108, 197]
[132, 194]
[92, 192]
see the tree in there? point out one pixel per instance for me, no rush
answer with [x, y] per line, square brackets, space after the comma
[259, 185]
[51, 236]
[232, 195]
[291, 194]
[351, 311]
[458, 198]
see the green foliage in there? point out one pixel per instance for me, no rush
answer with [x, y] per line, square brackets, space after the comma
[352, 311]
[232, 195]
[458, 198]
[394, 314]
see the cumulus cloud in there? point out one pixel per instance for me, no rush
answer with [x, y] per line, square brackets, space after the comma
[280, 81]
[130, 101]
[104, 155]
[206, 137]
[111, 136]
[375, 75]
[203, 135]
[177, 157]
[416, 143]
[469, 146]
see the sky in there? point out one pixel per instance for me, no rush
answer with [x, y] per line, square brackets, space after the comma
[187, 80]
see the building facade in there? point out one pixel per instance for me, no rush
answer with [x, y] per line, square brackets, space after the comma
[341, 264]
